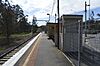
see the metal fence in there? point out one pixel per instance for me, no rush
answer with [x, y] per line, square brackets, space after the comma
[82, 50]
[72, 37]
[91, 45]
[72, 44]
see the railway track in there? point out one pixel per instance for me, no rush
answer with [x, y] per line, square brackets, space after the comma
[8, 53]
[75, 57]
[85, 58]
[91, 56]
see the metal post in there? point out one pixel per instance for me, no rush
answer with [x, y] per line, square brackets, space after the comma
[32, 28]
[89, 15]
[49, 16]
[85, 19]
[55, 18]
[89, 10]
[58, 21]
[79, 46]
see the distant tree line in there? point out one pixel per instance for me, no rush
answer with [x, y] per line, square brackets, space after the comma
[93, 25]
[12, 19]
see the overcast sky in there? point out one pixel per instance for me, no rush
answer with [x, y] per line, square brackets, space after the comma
[40, 8]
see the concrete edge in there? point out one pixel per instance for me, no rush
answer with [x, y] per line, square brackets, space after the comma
[15, 58]
[67, 58]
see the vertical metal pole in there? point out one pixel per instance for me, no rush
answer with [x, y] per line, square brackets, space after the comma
[89, 10]
[89, 14]
[55, 18]
[49, 18]
[58, 21]
[85, 19]
[32, 27]
[79, 46]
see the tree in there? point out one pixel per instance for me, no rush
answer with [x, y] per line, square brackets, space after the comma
[34, 21]
[10, 16]
[6, 19]
[12, 20]
[21, 22]
[34, 25]
[23, 25]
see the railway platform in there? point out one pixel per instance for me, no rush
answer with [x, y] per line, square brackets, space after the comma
[44, 53]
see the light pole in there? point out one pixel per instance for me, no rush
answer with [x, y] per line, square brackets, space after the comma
[86, 19]
[55, 17]
[89, 15]
[58, 20]
[49, 16]
[89, 10]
